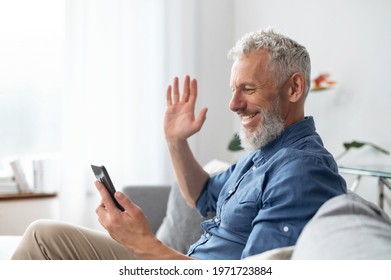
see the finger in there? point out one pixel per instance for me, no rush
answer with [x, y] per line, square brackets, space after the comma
[100, 209]
[193, 93]
[130, 207]
[186, 89]
[101, 212]
[107, 201]
[168, 96]
[101, 205]
[176, 90]
[201, 117]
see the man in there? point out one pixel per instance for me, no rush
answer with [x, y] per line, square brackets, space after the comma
[261, 202]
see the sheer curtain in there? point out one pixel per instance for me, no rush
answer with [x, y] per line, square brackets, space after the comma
[115, 98]
[31, 71]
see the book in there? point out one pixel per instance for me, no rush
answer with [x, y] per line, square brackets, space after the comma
[20, 177]
[7, 179]
[8, 184]
[10, 187]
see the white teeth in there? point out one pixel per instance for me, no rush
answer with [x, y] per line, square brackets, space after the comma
[247, 117]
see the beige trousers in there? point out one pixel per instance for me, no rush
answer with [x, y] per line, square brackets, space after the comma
[54, 240]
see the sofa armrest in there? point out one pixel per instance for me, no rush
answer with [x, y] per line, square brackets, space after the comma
[152, 199]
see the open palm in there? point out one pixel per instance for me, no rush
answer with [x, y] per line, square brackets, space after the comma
[180, 121]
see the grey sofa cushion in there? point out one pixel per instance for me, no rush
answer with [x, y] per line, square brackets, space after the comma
[152, 199]
[181, 226]
[346, 227]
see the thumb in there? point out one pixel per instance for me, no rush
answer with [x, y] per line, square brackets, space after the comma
[202, 117]
[126, 203]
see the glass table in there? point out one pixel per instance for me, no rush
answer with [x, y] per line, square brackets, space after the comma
[382, 172]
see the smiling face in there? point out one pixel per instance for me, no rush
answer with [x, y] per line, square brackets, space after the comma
[257, 99]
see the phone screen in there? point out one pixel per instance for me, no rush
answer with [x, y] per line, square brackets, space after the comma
[103, 176]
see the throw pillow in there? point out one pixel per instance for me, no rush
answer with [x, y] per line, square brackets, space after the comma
[346, 227]
[181, 225]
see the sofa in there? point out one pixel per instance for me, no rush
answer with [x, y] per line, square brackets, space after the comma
[345, 227]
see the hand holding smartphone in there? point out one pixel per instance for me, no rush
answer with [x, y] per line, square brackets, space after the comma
[103, 176]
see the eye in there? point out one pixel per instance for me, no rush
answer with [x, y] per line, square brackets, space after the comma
[245, 89]
[249, 90]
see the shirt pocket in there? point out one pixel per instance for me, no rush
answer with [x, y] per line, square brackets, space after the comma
[240, 210]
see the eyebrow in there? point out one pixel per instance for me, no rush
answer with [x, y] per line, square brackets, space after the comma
[253, 84]
[250, 84]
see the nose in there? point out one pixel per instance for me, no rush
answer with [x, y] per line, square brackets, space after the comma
[238, 102]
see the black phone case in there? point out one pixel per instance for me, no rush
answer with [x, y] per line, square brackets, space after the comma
[103, 176]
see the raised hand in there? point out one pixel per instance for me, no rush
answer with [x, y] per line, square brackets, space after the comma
[180, 122]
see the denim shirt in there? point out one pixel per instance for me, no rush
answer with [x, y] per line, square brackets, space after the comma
[265, 199]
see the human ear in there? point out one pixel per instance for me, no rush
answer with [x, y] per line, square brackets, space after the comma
[296, 85]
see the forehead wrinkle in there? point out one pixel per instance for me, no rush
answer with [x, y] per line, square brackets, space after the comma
[236, 81]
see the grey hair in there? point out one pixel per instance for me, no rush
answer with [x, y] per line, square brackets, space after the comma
[287, 56]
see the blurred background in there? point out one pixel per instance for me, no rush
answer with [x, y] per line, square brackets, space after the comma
[83, 82]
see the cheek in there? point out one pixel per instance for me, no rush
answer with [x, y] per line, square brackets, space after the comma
[282, 107]
[259, 102]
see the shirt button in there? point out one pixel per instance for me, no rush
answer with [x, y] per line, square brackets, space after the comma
[230, 191]
[207, 235]
[254, 168]
[217, 220]
[286, 229]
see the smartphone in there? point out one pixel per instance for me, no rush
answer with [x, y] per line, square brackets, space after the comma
[103, 176]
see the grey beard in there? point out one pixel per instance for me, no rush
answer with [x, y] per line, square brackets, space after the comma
[272, 126]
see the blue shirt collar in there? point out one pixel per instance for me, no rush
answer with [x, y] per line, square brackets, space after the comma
[291, 134]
